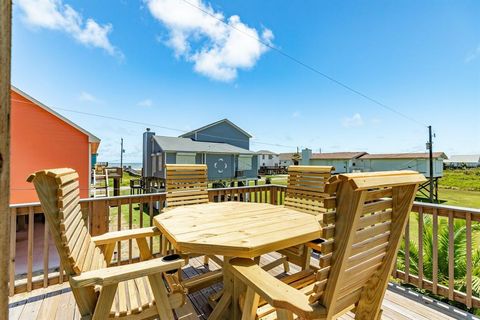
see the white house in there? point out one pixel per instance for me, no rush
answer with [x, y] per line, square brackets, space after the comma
[460, 161]
[268, 159]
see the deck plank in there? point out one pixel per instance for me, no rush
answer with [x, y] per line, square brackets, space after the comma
[57, 302]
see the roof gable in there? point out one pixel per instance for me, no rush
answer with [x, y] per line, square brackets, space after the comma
[214, 124]
[91, 137]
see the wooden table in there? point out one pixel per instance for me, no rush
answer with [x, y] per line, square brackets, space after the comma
[235, 229]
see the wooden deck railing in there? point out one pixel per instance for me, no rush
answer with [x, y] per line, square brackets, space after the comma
[34, 261]
[429, 225]
[441, 260]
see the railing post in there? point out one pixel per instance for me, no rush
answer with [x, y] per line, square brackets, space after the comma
[99, 217]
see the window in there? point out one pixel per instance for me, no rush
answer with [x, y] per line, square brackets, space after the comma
[263, 157]
[270, 157]
[244, 162]
[154, 163]
[185, 158]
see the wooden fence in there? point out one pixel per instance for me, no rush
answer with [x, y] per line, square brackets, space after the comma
[136, 211]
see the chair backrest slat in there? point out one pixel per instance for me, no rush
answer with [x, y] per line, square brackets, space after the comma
[371, 212]
[306, 189]
[58, 191]
[186, 184]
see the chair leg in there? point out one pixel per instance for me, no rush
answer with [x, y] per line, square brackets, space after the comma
[161, 297]
[104, 303]
[286, 265]
[283, 314]
[250, 305]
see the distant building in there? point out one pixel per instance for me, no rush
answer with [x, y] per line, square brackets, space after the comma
[344, 162]
[44, 139]
[222, 146]
[401, 161]
[268, 159]
[286, 159]
[463, 161]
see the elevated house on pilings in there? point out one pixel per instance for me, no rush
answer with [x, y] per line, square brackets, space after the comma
[222, 146]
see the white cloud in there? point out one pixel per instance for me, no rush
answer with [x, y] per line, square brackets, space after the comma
[145, 103]
[217, 50]
[88, 97]
[54, 15]
[473, 55]
[354, 121]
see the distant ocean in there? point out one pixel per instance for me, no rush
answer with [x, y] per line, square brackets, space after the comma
[134, 165]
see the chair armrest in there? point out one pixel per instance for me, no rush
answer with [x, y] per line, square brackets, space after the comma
[114, 236]
[275, 292]
[112, 275]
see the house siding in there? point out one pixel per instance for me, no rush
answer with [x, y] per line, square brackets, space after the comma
[220, 166]
[420, 165]
[41, 140]
[222, 132]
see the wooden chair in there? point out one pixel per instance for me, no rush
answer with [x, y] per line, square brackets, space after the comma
[361, 242]
[186, 184]
[138, 289]
[306, 192]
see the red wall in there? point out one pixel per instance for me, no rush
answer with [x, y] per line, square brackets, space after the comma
[40, 140]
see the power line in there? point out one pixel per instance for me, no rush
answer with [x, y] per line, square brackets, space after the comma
[159, 126]
[313, 69]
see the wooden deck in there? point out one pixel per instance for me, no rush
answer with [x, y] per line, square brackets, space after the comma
[57, 302]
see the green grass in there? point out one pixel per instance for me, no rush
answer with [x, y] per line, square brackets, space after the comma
[461, 179]
[460, 198]
[125, 180]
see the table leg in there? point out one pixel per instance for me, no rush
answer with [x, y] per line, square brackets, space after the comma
[221, 310]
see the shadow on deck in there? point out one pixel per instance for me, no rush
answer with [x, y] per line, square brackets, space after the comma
[57, 302]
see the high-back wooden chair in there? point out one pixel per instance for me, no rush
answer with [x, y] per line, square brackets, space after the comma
[361, 242]
[307, 191]
[138, 289]
[186, 184]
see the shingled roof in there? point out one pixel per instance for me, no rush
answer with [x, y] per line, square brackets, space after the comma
[174, 144]
[337, 155]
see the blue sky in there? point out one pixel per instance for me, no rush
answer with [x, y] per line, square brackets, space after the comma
[169, 64]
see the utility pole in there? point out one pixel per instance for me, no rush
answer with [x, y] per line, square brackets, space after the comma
[122, 151]
[430, 151]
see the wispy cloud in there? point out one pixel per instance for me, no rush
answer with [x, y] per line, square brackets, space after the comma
[216, 49]
[296, 114]
[355, 121]
[473, 55]
[55, 15]
[145, 103]
[88, 97]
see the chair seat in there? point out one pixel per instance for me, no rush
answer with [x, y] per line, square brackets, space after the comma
[135, 297]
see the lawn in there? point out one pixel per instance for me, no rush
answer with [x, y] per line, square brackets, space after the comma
[461, 179]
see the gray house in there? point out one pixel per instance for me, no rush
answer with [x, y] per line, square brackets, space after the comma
[222, 146]
[402, 161]
[344, 162]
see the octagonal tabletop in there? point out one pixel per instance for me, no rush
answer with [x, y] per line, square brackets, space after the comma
[236, 229]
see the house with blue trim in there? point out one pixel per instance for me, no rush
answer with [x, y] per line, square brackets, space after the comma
[222, 146]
